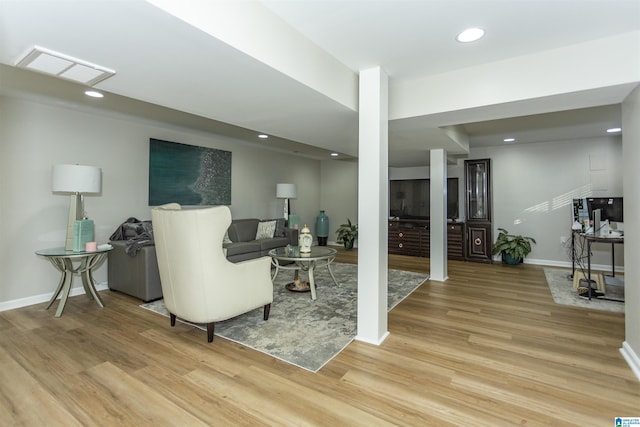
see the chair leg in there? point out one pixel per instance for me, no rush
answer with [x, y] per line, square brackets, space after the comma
[173, 319]
[210, 327]
[267, 309]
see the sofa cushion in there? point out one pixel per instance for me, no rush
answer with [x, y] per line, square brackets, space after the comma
[243, 230]
[277, 242]
[266, 229]
[239, 248]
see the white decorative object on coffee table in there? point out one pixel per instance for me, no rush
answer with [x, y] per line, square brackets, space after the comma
[305, 239]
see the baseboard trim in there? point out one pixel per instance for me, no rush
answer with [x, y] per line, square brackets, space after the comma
[368, 341]
[631, 358]
[567, 264]
[38, 299]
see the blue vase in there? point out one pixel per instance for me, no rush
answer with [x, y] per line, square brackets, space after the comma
[322, 228]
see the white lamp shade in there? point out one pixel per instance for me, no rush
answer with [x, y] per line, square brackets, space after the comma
[76, 179]
[286, 191]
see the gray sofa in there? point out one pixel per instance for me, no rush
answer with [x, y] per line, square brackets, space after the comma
[139, 276]
[242, 243]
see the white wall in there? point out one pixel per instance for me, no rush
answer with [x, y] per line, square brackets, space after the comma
[34, 136]
[631, 150]
[534, 184]
[339, 193]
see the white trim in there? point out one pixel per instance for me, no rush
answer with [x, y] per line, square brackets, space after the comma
[38, 299]
[631, 357]
[567, 264]
[368, 341]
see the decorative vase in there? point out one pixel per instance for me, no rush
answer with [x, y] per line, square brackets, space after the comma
[304, 240]
[348, 244]
[322, 228]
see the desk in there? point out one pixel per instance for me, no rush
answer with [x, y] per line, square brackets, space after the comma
[63, 261]
[590, 238]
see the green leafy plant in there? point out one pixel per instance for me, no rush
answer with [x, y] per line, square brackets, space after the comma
[347, 233]
[515, 246]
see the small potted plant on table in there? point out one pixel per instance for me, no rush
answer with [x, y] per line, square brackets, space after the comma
[512, 247]
[347, 234]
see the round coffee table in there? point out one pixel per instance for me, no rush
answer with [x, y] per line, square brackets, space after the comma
[303, 261]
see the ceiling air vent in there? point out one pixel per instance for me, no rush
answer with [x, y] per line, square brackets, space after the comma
[64, 66]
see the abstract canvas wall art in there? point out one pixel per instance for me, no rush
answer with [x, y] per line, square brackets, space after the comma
[188, 174]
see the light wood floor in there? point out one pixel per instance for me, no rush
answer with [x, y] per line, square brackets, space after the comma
[486, 348]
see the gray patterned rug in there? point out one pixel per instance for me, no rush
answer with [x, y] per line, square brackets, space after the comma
[561, 287]
[303, 332]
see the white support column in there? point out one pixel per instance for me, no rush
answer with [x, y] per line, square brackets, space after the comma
[373, 206]
[438, 215]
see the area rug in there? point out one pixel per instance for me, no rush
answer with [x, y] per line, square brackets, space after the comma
[303, 332]
[561, 287]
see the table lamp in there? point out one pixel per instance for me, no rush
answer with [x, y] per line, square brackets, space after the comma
[77, 180]
[286, 192]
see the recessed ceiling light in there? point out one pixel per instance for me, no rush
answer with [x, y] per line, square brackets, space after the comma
[263, 136]
[93, 94]
[509, 139]
[334, 154]
[470, 35]
[614, 130]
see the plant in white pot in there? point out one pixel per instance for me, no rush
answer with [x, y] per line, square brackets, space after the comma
[512, 247]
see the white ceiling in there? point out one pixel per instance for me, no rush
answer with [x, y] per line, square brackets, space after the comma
[204, 82]
[414, 38]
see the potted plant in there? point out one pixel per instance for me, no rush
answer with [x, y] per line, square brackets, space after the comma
[347, 233]
[512, 247]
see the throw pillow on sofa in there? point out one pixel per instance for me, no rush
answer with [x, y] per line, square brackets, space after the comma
[266, 229]
[279, 227]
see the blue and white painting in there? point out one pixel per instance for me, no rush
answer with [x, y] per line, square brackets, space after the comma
[187, 174]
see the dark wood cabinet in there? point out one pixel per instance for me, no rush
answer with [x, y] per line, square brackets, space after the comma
[408, 237]
[479, 242]
[477, 174]
[455, 241]
[470, 240]
[405, 237]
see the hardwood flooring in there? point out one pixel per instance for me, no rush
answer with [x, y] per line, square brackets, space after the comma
[486, 348]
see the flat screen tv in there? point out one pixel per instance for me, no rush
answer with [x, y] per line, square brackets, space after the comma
[410, 198]
[611, 208]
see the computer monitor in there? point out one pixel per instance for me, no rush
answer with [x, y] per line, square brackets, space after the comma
[611, 208]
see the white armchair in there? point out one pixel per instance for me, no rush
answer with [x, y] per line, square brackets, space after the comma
[199, 284]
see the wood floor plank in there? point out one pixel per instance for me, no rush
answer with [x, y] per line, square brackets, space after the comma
[134, 402]
[487, 347]
[199, 400]
[19, 392]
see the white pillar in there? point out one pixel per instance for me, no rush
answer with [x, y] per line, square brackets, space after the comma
[373, 206]
[438, 215]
